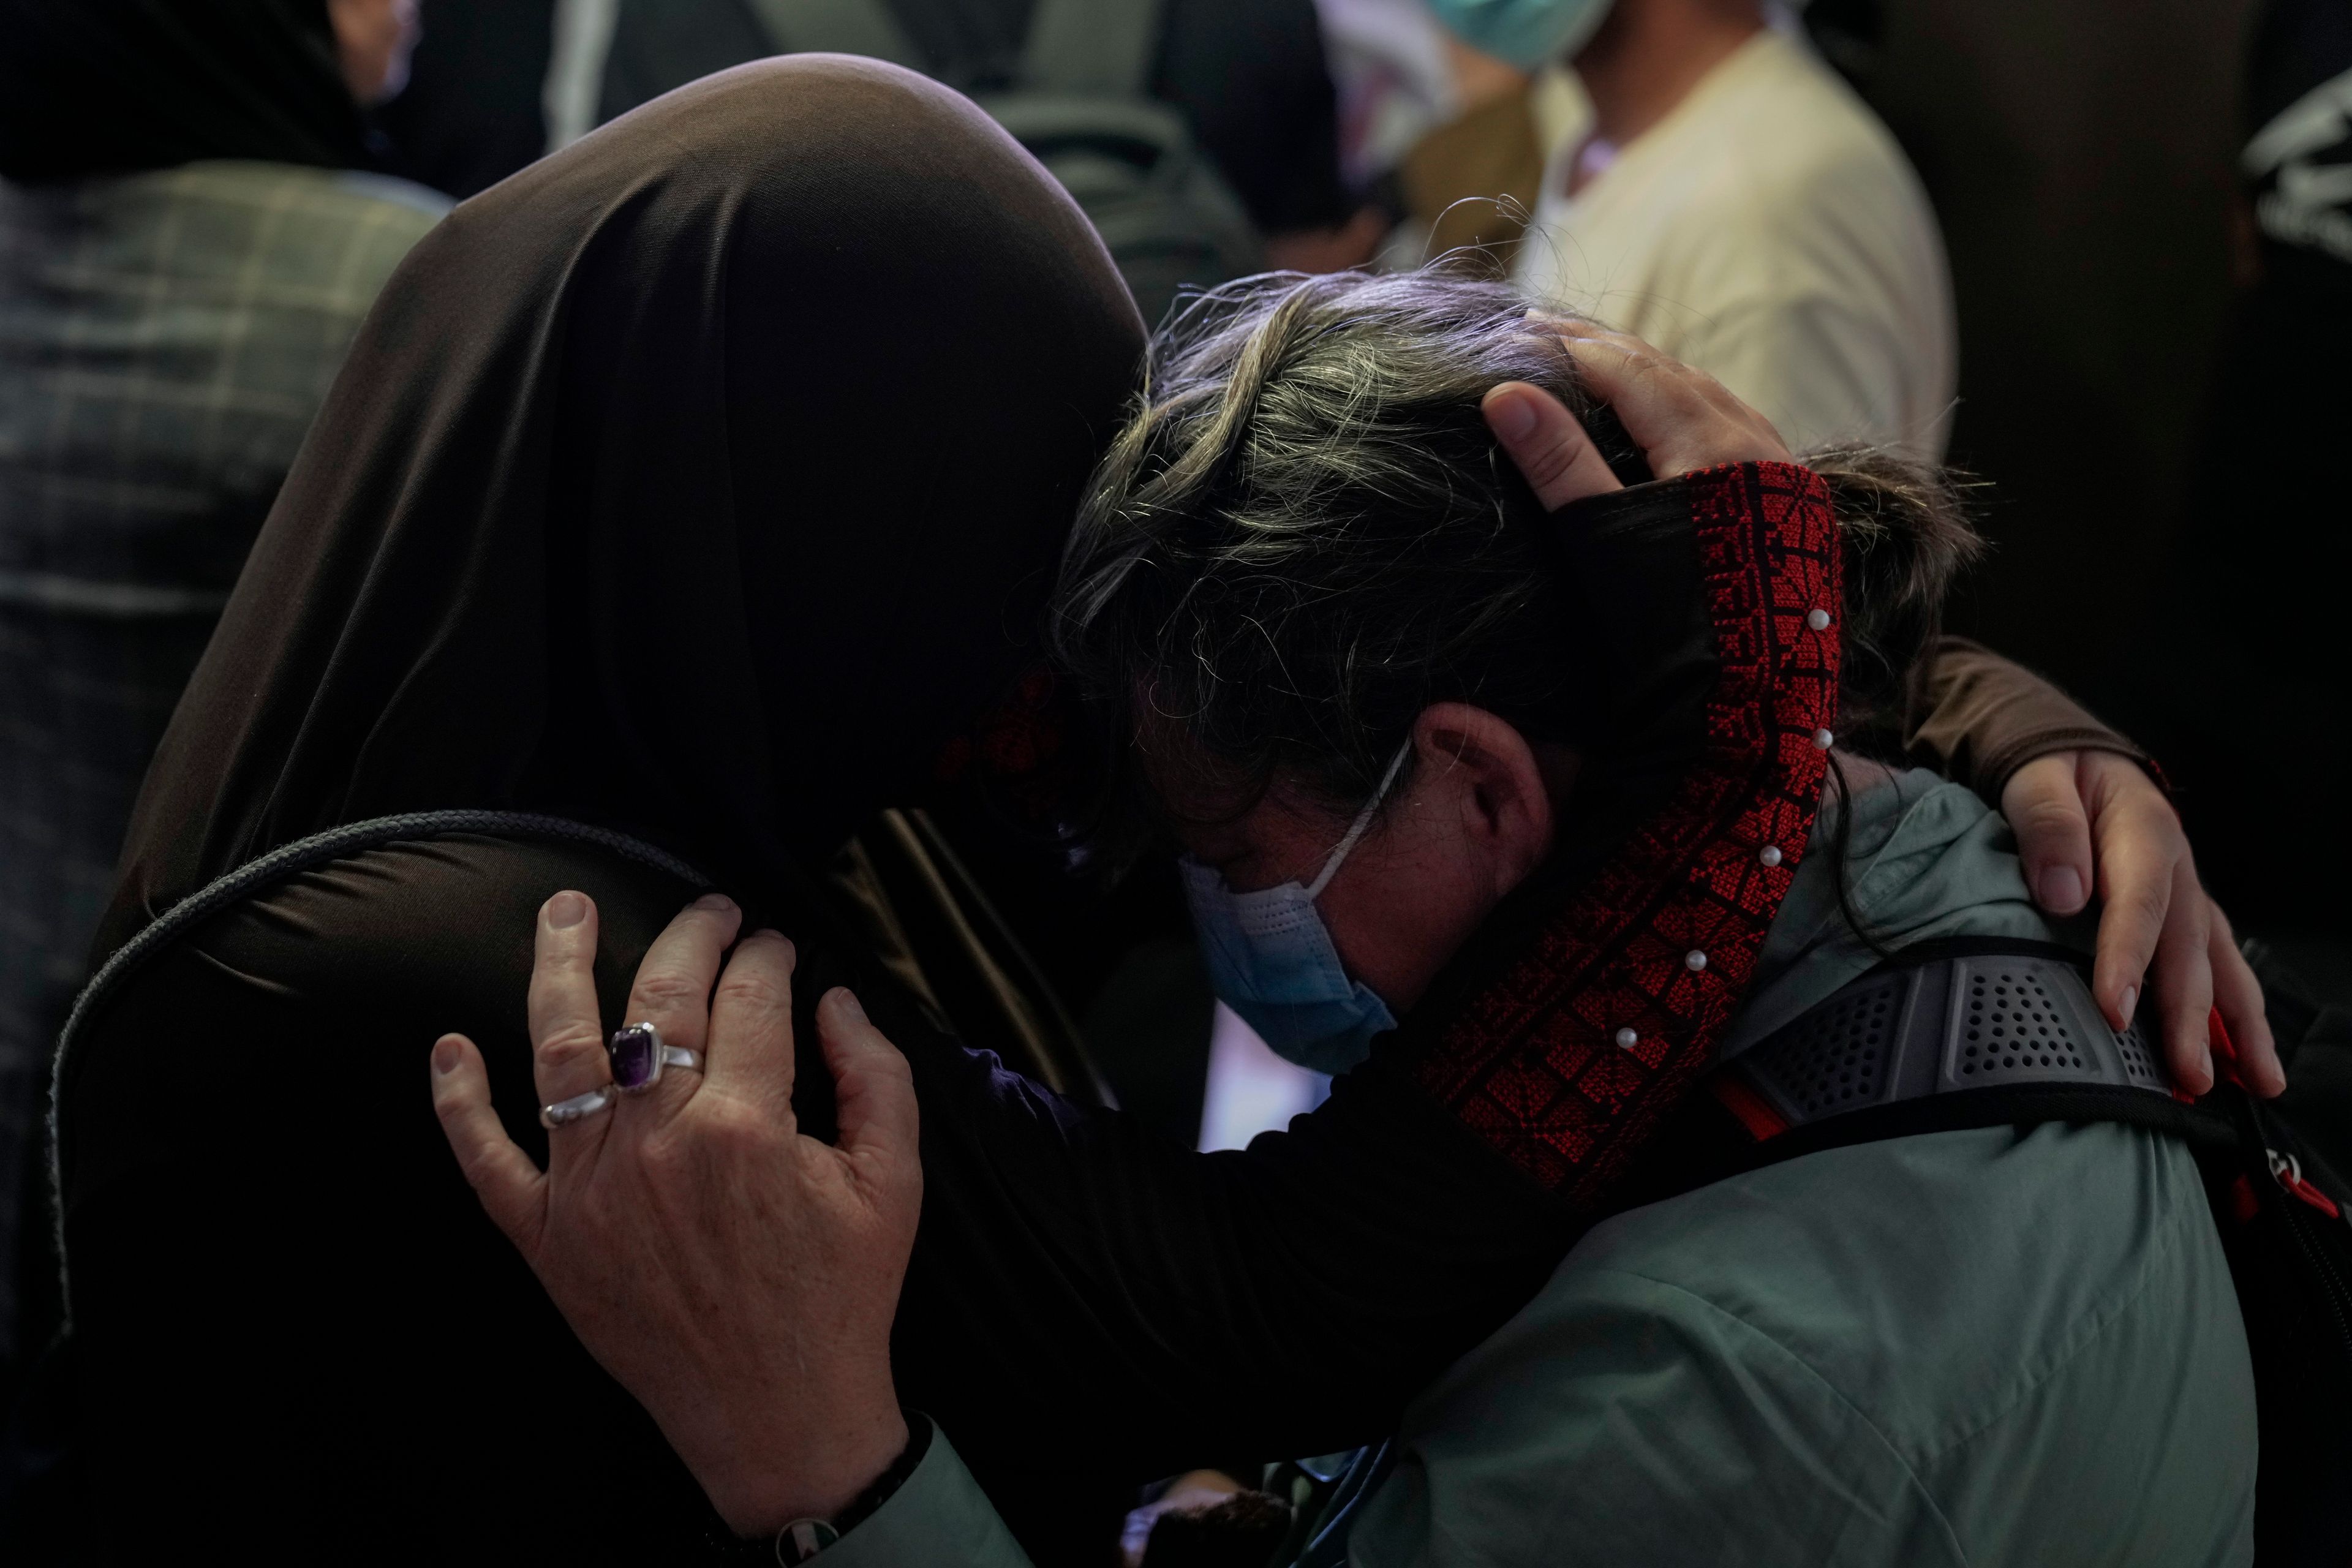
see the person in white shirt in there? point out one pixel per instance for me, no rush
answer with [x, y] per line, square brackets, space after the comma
[1731, 201]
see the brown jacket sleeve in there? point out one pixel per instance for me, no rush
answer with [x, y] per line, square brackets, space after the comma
[1979, 718]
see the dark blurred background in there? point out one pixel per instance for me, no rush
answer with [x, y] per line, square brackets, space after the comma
[2155, 423]
[2081, 159]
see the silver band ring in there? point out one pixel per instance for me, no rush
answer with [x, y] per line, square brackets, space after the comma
[578, 1107]
[639, 1054]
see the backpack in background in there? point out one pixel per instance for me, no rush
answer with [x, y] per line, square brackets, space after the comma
[1081, 105]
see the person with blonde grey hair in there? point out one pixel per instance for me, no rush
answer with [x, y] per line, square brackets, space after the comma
[1528, 719]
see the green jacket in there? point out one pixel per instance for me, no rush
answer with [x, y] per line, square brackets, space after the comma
[1965, 1348]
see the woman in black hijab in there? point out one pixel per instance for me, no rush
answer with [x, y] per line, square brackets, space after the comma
[664, 449]
[652, 441]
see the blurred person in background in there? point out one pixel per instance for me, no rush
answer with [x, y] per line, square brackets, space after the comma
[1248, 79]
[1474, 177]
[1733, 201]
[1395, 79]
[189, 236]
[472, 112]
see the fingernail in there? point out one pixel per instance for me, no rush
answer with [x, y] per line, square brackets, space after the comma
[445, 1056]
[2129, 1002]
[846, 1001]
[714, 902]
[567, 910]
[2061, 890]
[1512, 418]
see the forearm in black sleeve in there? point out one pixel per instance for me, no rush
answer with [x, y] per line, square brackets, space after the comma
[1091, 1305]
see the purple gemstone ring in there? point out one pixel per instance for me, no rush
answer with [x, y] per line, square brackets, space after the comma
[638, 1056]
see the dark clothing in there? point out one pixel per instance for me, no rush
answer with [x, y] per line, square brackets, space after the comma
[2254, 721]
[636, 499]
[113, 87]
[471, 114]
[185, 248]
[278, 1271]
[264, 1290]
[164, 340]
[645, 497]
[1249, 76]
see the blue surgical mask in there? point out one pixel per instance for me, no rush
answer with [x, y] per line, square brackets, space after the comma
[1272, 961]
[1529, 34]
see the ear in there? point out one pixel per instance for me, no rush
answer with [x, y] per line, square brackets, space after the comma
[1481, 769]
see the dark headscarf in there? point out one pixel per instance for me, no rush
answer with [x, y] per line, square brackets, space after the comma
[700, 481]
[110, 87]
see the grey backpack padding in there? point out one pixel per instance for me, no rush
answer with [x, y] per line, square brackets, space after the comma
[1082, 107]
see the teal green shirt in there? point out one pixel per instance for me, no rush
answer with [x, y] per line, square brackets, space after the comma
[1965, 1348]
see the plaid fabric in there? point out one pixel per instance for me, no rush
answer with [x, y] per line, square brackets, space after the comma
[165, 340]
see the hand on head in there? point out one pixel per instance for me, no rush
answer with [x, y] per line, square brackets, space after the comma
[1681, 418]
[737, 1276]
[2085, 820]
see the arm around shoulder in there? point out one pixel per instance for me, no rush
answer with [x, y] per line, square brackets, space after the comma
[1979, 718]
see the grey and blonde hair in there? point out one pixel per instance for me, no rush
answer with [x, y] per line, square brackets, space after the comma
[1306, 534]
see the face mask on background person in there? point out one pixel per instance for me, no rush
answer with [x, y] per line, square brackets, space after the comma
[1529, 34]
[1272, 961]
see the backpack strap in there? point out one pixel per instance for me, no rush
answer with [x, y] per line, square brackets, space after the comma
[2011, 1105]
[1092, 47]
[1941, 1018]
[1885, 1057]
[292, 859]
[836, 27]
[1967, 1032]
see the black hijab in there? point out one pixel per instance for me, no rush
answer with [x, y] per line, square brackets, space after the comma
[111, 86]
[700, 481]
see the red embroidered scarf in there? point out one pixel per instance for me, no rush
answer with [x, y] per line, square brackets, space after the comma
[1603, 1012]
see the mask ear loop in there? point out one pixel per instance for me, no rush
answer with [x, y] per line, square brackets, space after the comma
[1363, 821]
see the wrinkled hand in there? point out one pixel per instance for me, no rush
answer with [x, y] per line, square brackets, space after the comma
[2095, 819]
[2085, 820]
[736, 1277]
